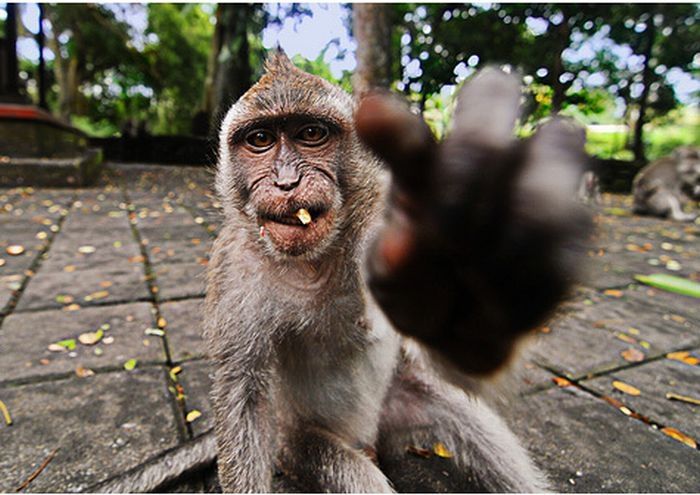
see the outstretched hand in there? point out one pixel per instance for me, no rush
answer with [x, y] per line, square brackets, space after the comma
[475, 250]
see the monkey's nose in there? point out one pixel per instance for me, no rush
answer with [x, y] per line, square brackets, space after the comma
[287, 178]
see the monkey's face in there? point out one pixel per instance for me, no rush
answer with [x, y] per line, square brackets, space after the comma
[287, 169]
[688, 163]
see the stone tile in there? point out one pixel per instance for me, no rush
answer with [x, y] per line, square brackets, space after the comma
[184, 328]
[569, 433]
[196, 381]
[650, 319]
[25, 338]
[116, 248]
[127, 284]
[9, 284]
[19, 263]
[102, 425]
[654, 380]
[180, 280]
[575, 348]
[182, 250]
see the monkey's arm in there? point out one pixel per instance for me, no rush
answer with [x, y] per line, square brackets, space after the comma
[473, 253]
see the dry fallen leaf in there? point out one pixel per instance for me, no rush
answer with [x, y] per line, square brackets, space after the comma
[682, 398]
[72, 307]
[680, 436]
[87, 249]
[83, 372]
[5, 413]
[614, 293]
[162, 322]
[625, 338]
[69, 268]
[684, 357]
[100, 294]
[623, 387]
[105, 284]
[14, 250]
[193, 415]
[632, 355]
[677, 318]
[440, 450]
[91, 338]
[561, 382]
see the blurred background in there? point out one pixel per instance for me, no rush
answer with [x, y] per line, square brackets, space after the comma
[627, 72]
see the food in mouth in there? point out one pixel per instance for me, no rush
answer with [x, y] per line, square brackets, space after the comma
[304, 216]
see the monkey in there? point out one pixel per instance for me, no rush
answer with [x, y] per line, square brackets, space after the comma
[661, 188]
[368, 281]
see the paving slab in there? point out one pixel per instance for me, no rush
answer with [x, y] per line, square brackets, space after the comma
[88, 287]
[184, 328]
[585, 445]
[25, 338]
[637, 318]
[102, 425]
[575, 348]
[180, 280]
[654, 380]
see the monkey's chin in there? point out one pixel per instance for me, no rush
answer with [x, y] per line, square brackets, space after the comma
[299, 240]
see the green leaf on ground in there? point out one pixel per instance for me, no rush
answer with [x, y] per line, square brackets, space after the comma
[671, 283]
[130, 364]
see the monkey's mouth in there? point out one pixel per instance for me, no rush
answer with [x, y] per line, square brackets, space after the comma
[301, 217]
[298, 230]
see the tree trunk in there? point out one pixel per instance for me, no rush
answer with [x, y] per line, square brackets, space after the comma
[41, 75]
[372, 29]
[11, 86]
[638, 137]
[559, 88]
[232, 74]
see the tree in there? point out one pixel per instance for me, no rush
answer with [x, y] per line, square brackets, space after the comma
[229, 72]
[372, 30]
[664, 37]
[86, 40]
[179, 40]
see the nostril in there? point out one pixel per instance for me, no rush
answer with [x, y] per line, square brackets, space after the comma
[287, 178]
[286, 184]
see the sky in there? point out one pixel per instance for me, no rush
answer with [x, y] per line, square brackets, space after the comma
[328, 26]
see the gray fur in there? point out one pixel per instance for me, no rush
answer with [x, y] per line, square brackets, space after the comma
[663, 186]
[307, 369]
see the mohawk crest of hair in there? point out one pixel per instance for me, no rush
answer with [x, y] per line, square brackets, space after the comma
[286, 90]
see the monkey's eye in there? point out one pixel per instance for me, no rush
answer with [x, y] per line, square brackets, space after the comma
[313, 135]
[260, 138]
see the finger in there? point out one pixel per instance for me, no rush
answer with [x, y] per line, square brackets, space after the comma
[487, 108]
[399, 137]
[554, 162]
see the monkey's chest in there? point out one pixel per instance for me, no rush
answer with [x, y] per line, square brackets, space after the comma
[338, 385]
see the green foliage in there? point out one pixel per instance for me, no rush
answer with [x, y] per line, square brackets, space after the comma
[320, 68]
[180, 40]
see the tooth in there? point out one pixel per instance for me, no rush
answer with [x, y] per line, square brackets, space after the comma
[303, 216]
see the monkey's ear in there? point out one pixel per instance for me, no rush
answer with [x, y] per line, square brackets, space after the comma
[278, 62]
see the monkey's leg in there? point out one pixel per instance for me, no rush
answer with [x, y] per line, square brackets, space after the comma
[664, 203]
[315, 460]
[484, 455]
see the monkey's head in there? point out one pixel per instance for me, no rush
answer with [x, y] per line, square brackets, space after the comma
[291, 164]
[688, 165]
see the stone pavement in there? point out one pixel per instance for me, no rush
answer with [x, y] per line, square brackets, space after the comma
[101, 363]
